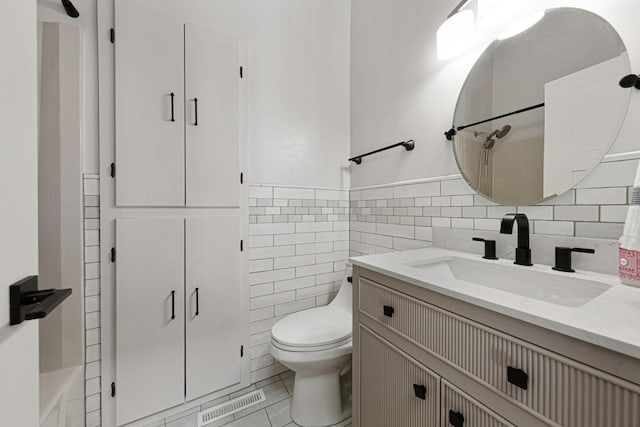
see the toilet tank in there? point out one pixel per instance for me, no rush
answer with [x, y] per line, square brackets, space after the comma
[344, 297]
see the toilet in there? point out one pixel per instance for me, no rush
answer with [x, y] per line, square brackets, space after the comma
[316, 344]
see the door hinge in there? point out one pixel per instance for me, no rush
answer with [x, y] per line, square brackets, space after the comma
[241, 178]
[241, 351]
[113, 170]
[113, 389]
[241, 72]
[112, 35]
[113, 254]
[241, 245]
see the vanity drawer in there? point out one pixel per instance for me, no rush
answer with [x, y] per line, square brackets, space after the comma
[461, 410]
[554, 388]
[394, 389]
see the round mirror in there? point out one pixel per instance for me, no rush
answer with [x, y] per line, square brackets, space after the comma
[540, 110]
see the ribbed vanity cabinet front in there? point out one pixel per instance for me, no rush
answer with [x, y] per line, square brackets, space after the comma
[550, 386]
[395, 389]
[461, 410]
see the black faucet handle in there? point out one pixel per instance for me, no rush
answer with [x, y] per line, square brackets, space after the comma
[489, 248]
[563, 258]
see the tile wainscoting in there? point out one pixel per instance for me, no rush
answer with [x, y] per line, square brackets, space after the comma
[298, 246]
[404, 216]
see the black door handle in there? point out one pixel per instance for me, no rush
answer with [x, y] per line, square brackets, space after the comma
[197, 301]
[173, 305]
[456, 419]
[517, 377]
[388, 311]
[420, 391]
[173, 118]
[195, 102]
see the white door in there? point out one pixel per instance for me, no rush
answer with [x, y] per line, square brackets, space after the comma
[215, 325]
[149, 51]
[212, 70]
[19, 215]
[149, 316]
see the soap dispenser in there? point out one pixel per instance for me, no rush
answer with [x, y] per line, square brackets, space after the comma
[629, 248]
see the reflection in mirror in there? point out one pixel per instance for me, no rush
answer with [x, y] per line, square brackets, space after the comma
[540, 110]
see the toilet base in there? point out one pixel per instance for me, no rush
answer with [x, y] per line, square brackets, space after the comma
[317, 400]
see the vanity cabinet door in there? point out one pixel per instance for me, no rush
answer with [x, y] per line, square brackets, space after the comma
[395, 390]
[460, 410]
[551, 387]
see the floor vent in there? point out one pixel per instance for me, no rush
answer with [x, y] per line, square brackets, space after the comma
[225, 409]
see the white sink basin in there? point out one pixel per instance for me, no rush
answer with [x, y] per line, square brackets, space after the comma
[559, 289]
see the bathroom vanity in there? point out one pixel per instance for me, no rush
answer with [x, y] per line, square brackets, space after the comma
[444, 338]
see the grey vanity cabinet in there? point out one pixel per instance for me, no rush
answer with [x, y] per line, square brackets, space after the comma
[391, 379]
[524, 383]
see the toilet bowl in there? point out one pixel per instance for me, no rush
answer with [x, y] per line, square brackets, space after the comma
[316, 345]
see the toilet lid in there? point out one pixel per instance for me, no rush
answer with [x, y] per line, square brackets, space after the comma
[317, 327]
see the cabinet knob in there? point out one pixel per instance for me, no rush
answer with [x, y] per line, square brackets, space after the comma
[456, 419]
[420, 391]
[388, 311]
[517, 377]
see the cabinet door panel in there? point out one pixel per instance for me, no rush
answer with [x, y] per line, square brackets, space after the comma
[212, 69]
[390, 384]
[215, 323]
[149, 68]
[460, 409]
[149, 342]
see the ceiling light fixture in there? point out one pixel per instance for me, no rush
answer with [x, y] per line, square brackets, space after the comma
[455, 34]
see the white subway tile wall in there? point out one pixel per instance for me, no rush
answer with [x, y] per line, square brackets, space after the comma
[92, 299]
[298, 247]
[402, 216]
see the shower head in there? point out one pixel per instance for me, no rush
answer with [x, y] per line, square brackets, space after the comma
[503, 131]
[500, 133]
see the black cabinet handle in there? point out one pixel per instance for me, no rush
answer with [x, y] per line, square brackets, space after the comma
[173, 118]
[173, 305]
[420, 391]
[350, 279]
[388, 311]
[195, 101]
[517, 377]
[197, 301]
[456, 419]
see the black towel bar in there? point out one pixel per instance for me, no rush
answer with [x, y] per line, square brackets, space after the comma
[408, 145]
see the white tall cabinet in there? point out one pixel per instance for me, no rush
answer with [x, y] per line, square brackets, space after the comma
[175, 220]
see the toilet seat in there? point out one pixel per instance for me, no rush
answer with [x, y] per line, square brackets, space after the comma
[317, 329]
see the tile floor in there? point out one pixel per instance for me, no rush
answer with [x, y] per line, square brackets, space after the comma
[274, 412]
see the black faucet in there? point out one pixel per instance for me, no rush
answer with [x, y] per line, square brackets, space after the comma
[523, 251]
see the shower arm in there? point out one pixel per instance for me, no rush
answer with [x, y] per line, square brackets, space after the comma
[454, 130]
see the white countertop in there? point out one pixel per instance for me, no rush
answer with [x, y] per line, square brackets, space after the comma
[610, 320]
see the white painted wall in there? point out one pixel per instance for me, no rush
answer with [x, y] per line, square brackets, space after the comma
[399, 90]
[52, 11]
[18, 215]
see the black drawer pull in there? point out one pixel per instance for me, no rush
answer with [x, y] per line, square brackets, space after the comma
[517, 377]
[173, 118]
[197, 301]
[388, 311]
[456, 419]
[420, 391]
[173, 305]
[195, 101]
